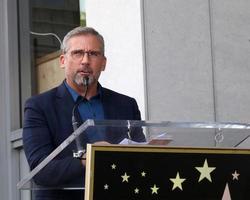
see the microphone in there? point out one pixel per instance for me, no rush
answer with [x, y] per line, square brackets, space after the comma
[79, 148]
[86, 81]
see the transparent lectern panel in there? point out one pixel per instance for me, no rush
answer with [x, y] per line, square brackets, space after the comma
[62, 168]
[202, 134]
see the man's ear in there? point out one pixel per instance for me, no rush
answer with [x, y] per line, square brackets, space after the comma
[104, 63]
[62, 60]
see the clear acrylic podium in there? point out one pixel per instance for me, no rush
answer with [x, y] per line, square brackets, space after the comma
[164, 133]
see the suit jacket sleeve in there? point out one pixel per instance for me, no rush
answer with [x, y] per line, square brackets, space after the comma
[137, 132]
[39, 143]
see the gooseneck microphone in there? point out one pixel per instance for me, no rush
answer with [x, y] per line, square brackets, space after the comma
[86, 84]
[79, 148]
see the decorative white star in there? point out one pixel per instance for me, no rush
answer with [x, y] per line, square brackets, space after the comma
[154, 189]
[106, 187]
[125, 177]
[136, 191]
[177, 181]
[235, 175]
[205, 171]
[113, 166]
[143, 174]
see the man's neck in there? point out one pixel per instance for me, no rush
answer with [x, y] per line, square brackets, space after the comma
[91, 91]
[81, 90]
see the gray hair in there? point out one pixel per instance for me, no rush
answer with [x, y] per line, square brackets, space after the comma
[81, 31]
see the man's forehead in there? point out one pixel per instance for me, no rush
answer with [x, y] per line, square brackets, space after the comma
[84, 41]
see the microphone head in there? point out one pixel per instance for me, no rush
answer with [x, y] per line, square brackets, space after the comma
[85, 81]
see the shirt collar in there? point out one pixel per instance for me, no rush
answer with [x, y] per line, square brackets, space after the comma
[75, 95]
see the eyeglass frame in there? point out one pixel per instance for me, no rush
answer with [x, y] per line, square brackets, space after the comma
[79, 54]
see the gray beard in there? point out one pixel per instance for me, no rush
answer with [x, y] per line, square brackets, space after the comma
[79, 80]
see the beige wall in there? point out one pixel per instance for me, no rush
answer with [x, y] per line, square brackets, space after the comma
[49, 73]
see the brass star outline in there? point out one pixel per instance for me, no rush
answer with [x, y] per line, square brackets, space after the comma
[235, 175]
[106, 187]
[143, 174]
[113, 166]
[205, 171]
[125, 177]
[177, 181]
[136, 191]
[154, 189]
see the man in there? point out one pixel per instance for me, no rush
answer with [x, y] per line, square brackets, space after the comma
[47, 116]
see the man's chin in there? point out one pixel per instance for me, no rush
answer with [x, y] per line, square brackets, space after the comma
[85, 81]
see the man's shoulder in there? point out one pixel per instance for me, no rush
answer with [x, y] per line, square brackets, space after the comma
[111, 93]
[48, 96]
[45, 95]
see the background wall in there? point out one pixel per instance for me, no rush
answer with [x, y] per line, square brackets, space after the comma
[178, 60]
[48, 72]
[231, 36]
[197, 57]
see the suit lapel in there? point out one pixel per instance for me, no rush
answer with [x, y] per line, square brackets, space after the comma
[108, 105]
[66, 103]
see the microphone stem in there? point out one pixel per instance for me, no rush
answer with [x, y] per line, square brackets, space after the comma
[79, 148]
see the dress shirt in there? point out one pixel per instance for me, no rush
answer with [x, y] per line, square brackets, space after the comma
[90, 109]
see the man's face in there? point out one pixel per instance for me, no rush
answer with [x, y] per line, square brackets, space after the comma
[83, 59]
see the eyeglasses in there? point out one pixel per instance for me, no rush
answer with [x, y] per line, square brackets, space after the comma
[79, 54]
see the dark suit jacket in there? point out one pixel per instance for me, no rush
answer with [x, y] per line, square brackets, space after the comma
[47, 123]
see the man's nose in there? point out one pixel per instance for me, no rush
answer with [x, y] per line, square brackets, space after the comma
[85, 58]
